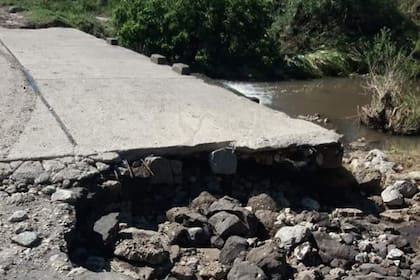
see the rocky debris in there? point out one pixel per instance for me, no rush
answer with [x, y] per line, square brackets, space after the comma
[26, 239]
[108, 157]
[67, 196]
[290, 236]
[232, 248]
[213, 270]
[223, 161]
[107, 228]
[347, 212]
[244, 270]
[264, 240]
[18, 216]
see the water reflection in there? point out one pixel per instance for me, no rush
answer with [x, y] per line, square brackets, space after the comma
[338, 99]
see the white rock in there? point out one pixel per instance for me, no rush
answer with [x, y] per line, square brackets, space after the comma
[392, 197]
[288, 237]
[18, 216]
[395, 254]
[67, 196]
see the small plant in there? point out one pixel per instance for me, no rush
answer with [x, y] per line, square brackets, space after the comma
[395, 104]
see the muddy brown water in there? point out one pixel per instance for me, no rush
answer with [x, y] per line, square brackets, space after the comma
[337, 99]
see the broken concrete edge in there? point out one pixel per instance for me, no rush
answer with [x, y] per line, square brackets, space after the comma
[69, 171]
[181, 68]
[323, 153]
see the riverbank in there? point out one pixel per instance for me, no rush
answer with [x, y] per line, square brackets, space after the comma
[272, 219]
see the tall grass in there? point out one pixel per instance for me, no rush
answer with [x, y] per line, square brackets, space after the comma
[395, 104]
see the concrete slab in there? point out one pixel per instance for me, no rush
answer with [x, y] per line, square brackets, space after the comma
[27, 128]
[112, 99]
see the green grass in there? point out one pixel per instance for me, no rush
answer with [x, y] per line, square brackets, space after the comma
[81, 14]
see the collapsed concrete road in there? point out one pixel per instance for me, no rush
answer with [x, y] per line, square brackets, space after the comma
[91, 97]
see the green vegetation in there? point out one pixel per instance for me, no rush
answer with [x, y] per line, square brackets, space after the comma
[395, 105]
[81, 14]
[264, 38]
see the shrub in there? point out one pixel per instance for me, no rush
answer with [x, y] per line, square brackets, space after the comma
[216, 36]
[395, 104]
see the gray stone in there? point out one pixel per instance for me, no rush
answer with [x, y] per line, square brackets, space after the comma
[48, 190]
[112, 41]
[310, 204]
[395, 254]
[107, 227]
[267, 219]
[89, 275]
[27, 239]
[202, 202]
[186, 217]
[330, 248]
[392, 197]
[181, 68]
[138, 273]
[67, 196]
[244, 270]
[28, 171]
[290, 236]
[158, 59]
[151, 250]
[177, 234]
[262, 202]
[43, 178]
[225, 203]
[226, 224]
[112, 185]
[223, 161]
[53, 165]
[18, 216]
[70, 173]
[234, 245]
[406, 188]
[304, 252]
[183, 271]
[198, 236]
[270, 259]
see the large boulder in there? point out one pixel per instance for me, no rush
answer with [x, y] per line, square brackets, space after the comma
[262, 202]
[106, 228]
[202, 202]
[225, 224]
[270, 259]
[152, 250]
[232, 206]
[392, 197]
[290, 236]
[330, 249]
[186, 217]
[234, 245]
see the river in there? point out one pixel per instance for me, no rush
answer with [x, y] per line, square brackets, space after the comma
[337, 99]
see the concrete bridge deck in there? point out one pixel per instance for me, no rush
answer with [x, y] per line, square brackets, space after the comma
[85, 96]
